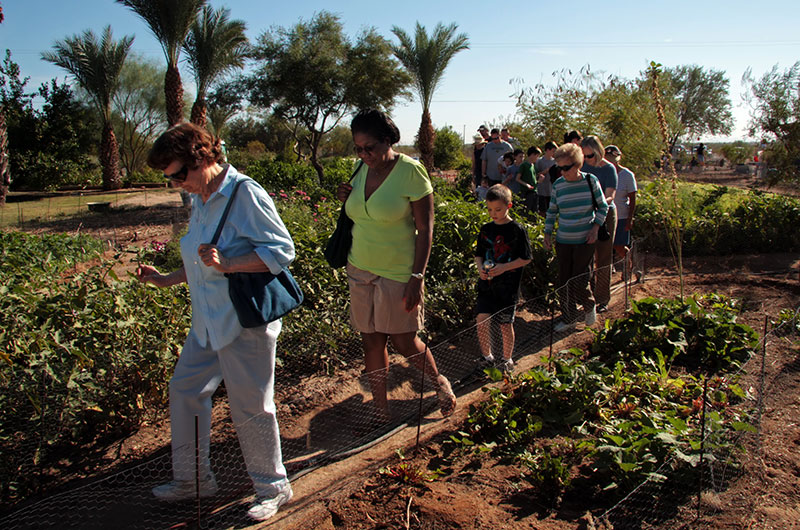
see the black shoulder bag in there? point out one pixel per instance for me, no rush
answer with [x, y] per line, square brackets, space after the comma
[259, 297]
[341, 239]
[602, 232]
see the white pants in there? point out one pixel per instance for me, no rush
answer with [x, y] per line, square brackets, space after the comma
[248, 367]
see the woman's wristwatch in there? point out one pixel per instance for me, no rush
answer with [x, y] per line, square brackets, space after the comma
[418, 275]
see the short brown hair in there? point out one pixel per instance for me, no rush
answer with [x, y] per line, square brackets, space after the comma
[498, 192]
[189, 143]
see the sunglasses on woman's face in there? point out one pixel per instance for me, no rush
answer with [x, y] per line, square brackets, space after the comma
[367, 149]
[566, 168]
[589, 156]
[179, 175]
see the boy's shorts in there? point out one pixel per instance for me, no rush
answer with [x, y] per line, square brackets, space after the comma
[377, 305]
[503, 310]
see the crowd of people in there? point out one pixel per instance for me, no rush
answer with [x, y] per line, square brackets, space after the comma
[580, 187]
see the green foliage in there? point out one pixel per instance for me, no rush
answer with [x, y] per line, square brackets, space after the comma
[775, 111]
[623, 419]
[139, 112]
[719, 220]
[84, 355]
[697, 333]
[312, 75]
[447, 149]
[617, 110]
[737, 152]
[703, 101]
[47, 148]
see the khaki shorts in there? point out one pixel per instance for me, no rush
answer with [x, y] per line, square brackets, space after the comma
[377, 305]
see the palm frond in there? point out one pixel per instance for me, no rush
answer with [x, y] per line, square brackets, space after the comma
[169, 20]
[426, 57]
[215, 46]
[94, 63]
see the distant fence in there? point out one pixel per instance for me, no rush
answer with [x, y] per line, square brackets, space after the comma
[313, 437]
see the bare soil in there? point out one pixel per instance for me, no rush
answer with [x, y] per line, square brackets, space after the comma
[486, 493]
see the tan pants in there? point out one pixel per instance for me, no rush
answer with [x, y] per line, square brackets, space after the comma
[603, 256]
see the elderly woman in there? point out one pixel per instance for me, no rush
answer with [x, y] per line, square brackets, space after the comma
[253, 239]
[606, 173]
[572, 203]
[391, 204]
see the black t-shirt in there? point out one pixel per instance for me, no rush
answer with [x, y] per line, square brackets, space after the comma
[503, 244]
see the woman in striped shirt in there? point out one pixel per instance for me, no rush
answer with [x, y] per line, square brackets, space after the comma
[572, 203]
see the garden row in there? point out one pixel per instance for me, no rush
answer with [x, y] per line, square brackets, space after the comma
[87, 355]
[597, 424]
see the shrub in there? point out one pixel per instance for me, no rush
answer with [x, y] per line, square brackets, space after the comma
[720, 220]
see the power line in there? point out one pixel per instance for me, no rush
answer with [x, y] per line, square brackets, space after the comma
[664, 44]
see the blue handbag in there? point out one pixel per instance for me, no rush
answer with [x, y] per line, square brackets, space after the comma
[259, 297]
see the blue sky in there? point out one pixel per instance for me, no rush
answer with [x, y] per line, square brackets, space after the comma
[508, 41]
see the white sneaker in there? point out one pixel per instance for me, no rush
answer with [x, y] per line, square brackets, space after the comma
[563, 325]
[507, 366]
[265, 507]
[591, 316]
[180, 490]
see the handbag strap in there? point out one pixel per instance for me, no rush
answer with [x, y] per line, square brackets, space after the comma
[591, 191]
[225, 214]
[360, 163]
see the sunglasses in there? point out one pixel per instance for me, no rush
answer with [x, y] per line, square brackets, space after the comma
[367, 149]
[566, 168]
[179, 175]
[589, 156]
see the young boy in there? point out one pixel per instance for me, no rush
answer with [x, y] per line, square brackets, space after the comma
[483, 189]
[527, 180]
[502, 250]
[542, 168]
[510, 180]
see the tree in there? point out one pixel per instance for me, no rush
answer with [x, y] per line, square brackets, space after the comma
[774, 102]
[214, 46]
[702, 99]
[311, 76]
[96, 66]
[49, 146]
[448, 150]
[5, 176]
[224, 102]
[170, 21]
[139, 111]
[619, 111]
[426, 59]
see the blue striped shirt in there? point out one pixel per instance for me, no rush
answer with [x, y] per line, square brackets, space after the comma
[571, 203]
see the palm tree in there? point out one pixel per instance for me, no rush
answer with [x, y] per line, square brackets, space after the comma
[426, 59]
[96, 66]
[169, 20]
[5, 176]
[214, 46]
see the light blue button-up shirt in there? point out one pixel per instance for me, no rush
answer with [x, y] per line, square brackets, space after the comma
[253, 224]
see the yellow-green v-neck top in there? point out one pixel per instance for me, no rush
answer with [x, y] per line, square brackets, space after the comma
[384, 233]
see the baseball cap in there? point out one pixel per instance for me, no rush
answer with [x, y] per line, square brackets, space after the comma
[482, 128]
[613, 150]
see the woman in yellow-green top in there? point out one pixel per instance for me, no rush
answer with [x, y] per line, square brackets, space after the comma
[391, 204]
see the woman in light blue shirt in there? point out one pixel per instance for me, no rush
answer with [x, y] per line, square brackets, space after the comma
[254, 239]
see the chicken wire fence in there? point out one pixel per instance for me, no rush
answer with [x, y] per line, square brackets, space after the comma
[684, 494]
[314, 434]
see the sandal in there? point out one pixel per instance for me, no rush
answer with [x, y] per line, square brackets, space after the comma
[447, 399]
